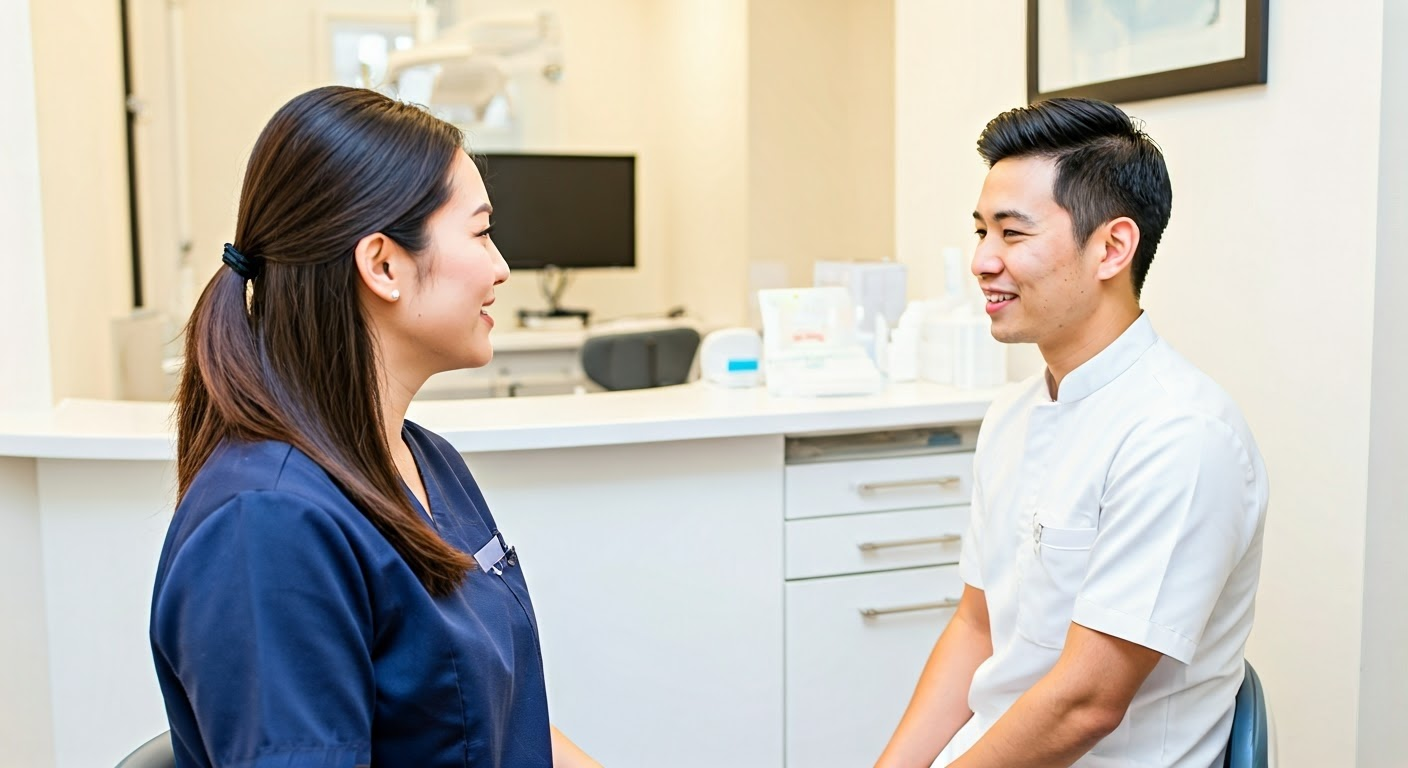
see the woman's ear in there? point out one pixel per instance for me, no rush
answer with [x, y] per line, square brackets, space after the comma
[382, 265]
[1119, 239]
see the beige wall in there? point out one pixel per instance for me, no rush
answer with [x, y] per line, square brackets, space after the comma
[698, 95]
[243, 61]
[83, 166]
[821, 132]
[1262, 280]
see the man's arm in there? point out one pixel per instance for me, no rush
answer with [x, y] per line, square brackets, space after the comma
[939, 706]
[1075, 705]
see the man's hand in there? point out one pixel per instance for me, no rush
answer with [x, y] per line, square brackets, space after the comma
[1079, 702]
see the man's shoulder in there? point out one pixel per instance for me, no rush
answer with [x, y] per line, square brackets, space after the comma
[1181, 401]
[1176, 389]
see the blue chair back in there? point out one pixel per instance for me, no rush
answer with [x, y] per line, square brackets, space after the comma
[156, 753]
[1248, 745]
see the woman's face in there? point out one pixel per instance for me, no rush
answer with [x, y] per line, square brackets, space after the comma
[445, 311]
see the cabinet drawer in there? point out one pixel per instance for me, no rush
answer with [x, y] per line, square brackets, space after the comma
[873, 485]
[879, 541]
[849, 677]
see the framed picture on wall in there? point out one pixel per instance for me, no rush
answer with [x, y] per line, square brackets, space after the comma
[1131, 50]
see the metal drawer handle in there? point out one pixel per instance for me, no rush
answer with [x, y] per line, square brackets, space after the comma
[871, 613]
[871, 546]
[950, 481]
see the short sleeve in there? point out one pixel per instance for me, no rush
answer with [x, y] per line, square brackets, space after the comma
[264, 619]
[1178, 514]
[970, 557]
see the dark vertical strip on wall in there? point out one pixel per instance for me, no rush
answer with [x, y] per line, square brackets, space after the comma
[127, 108]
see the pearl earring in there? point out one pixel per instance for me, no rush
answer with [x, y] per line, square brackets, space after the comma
[395, 294]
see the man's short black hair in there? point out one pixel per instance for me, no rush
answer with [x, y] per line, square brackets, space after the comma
[1106, 167]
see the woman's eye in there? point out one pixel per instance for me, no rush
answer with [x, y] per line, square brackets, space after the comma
[486, 232]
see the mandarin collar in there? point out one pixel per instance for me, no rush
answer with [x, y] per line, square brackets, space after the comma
[1108, 364]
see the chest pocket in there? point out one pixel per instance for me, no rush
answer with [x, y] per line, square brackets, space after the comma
[1052, 568]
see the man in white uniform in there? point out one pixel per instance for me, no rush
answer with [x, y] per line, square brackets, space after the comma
[1113, 553]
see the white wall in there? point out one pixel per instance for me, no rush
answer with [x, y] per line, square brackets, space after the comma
[1261, 280]
[26, 725]
[25, 348]
[83, 164]
[1383, 694]
[26, 720]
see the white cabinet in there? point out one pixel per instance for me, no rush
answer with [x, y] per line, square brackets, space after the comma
[870, 563]
[872, 485]
[850, 675]
[880, 541]
[655, 571]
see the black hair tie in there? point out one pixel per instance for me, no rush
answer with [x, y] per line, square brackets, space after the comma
[247, 267]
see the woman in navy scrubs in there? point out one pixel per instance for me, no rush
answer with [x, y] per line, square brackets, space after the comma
[333, 590]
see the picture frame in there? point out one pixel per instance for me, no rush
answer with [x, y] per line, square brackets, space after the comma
[1134, 50]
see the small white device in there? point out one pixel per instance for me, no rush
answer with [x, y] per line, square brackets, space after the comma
[732, 357]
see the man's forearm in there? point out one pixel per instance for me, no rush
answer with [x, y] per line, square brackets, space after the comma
[939, 706]
[1045, 727]
[1075, 705]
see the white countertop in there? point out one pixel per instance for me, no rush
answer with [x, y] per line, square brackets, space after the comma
[93, 429]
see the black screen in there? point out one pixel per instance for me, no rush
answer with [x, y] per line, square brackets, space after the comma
[569, 211]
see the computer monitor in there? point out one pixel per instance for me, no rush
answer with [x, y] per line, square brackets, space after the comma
[564, 211]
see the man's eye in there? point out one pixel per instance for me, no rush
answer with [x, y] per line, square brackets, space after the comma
[981, 233]
[1013, 233]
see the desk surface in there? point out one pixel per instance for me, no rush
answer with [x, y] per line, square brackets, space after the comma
[115, 430]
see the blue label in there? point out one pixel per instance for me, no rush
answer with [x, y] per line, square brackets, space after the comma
[743, 365]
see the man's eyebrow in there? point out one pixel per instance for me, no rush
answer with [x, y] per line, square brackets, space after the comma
[1000, 215]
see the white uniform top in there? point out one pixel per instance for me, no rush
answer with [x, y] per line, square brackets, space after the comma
[1132, 505]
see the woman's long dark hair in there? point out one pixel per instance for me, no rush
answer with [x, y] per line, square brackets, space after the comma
[295, 361]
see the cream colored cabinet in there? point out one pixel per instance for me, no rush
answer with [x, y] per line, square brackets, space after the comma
[871, 553]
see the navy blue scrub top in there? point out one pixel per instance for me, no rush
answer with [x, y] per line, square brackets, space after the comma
[287, 631]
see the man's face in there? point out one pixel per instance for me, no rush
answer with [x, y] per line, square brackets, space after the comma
[1041, 286]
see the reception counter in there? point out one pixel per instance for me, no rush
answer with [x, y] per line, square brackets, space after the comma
[649, 524]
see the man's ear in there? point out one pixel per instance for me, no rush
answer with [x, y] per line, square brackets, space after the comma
[1118, 240]
[381, 264]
